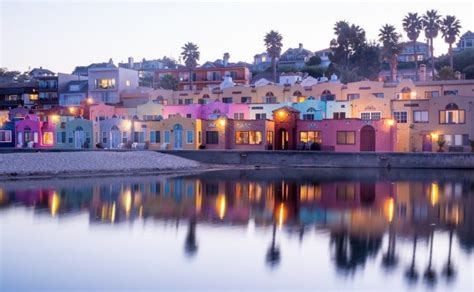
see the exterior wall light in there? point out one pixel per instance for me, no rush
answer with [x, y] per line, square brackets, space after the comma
[90, 100]
[281, 114]
[54, 118]
[434, 136]
[222, 122]
[127, 124]
[72, 110]
[390, 122]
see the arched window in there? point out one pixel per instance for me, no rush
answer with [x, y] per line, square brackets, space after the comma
[451, 106]
[311, 98]
[297, 93]
[406, 93]
[326, 92]
[205, 96]
[311, 110]
[270, 98]
[79, 128]
[114, 128]
[327, 95]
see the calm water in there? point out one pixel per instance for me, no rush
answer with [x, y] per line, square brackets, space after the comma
[285, 229]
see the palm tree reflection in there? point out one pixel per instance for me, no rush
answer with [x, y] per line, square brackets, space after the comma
[430, 273]
[448, 270]
[273, 253]
[412, 274]
[190, 244]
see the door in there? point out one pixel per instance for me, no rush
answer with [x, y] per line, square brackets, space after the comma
[114, 139]
[283, 143]
[79, 138]
[367, 138]
[427, 143]
[178, 136]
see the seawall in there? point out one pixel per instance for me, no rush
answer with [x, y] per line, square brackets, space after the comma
[331, 159]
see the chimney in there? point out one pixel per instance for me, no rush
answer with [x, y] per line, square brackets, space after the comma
[111, 62]
[300, 46]
[422, 72]
[130, 62]
[457, 75]
[226, 59]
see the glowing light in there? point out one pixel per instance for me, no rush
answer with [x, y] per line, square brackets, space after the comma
[281, 114]
[54, 118]
[413, 95]
[390, 122]
[90, 100]
[434, 136]
[198, 202]
[127, 124]
[434, 195]
[389, 209]
[221, 205]
[281, 214]
[54, 204]
[222, 122]
[127, 202]
[72, 110]
[112, 215]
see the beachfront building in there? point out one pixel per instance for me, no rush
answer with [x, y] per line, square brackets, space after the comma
[113, 133]
[50, 87]
[18, 94]
[178, 133]
[7, 134]
[347, 135]
[106, 84]
[33, 133]
[74, 133]
[150, 111]
[74, 93]
[209, 111]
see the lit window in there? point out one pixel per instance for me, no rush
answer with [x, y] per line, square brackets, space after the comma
[311, 136]
[345, 137]
[248, 137]
[127, 83]
[48, 138]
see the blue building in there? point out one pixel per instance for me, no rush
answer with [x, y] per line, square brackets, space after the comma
[7, 135]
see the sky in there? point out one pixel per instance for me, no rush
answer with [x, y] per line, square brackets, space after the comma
[59, 35]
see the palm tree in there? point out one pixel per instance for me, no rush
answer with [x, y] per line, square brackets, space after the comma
[390, 40]
[412, 25]
[190, 56]
[450, 28]
[273, 44]
[431, 24]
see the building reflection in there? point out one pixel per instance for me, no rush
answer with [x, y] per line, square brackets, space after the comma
[363, 217]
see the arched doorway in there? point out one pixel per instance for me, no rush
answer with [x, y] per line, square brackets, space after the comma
[367, 138]
[178, 136]
[427, 143]
[115, 137]
[79, 137]
[283, 141]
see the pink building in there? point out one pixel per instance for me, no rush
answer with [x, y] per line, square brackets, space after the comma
[209, 111]
[33, 133]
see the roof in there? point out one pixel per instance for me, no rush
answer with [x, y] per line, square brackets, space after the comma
[40, 72]
[83, 86]
[19, 85]
[323, 50]
[286, 108]
[467, 34]
[83, 70]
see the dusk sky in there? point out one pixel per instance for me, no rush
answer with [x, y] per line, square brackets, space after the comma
[59, 35]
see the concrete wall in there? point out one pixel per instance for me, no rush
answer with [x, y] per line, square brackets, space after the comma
[332, 159]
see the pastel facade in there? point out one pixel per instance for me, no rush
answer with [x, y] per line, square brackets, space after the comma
[33, 133]
[107, 83]
[252, 135]
[113, 133]
[76, 133]
[180, 133]
[210, 111]
[150, 111]
[7, 134]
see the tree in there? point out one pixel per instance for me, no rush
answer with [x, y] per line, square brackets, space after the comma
[469, 72]
[446, 73]
[168, 62]
[461, 60]
[412, 25]
[450, 28]
[390, 40]
[273, 43]
[431, 23]
[352, 58]
[314, 71]
[169, 82]
[190, 56]
[314, 61]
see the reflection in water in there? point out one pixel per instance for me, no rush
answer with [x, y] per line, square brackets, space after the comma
[363, 213]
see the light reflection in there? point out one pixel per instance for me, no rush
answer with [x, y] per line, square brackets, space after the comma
[221, 206]
[54, 204]
[434, 196]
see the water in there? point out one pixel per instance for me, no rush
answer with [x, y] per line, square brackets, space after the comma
[285, 229]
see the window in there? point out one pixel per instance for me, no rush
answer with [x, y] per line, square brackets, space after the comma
[127, 83]
[352, 96]
[248, 137]
[420, 116]
[155, 137]
[139, 137]
[105, 83]
[246, 99]
[124, 137]
[401, 117]
[227, 99]
[431, 94]
[167, 137]
[189, 137]
[370, 116]
[61, 137]
[308, 117]
[5, 136]
[450, 92]
[188, 101]
[188, 116]
[270, 99]
[345, 192]
[104, 137]
[345, 137]
[48, 138]
[238, 116]
[269, 137]
[339, 115]
[311, 136]
[212, 137]
[260, 116]
[378, 94]
[452, 117]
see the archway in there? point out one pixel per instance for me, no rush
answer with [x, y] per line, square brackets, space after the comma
[178, 136]
[115, 137]
[283, 139]
[367, 138]
[79, 137]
